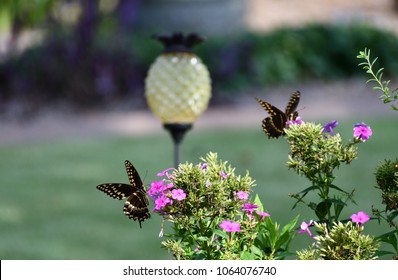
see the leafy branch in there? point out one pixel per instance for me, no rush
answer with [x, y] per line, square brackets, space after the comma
[368, 65]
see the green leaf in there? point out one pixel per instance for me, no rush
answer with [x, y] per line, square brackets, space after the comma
[203, 238]
[272, 231]
[256, 251]
[290, 226]
[381, 253]
[245, 255]
[283, 238]
[337, 188]
[221, 233]
[258, 202]
[308, 189]
[322, 209]
[337, 210]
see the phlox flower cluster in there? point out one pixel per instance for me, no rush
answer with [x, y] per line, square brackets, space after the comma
[230, 226]
[164, 194]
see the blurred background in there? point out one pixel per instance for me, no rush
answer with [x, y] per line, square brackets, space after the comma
[72, 108]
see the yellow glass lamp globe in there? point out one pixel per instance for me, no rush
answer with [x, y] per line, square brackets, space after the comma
[178, 84]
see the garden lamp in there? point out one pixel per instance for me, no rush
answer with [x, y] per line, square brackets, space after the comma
[178, 86]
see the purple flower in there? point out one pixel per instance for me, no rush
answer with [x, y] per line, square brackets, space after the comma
[298, 121]
[305, 228]
[162, 202]
[223, 175]
[165, 173]
[156, 188]
[167, 186]
[229, 226]
[242, 195]
[262, 214]
[178, 194]
[204, 166]
[249, 208]
[360, 218]
[362, 131]
[328, 128]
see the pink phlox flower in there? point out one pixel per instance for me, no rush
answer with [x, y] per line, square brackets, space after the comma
[156, 188]
[249, 208]
[223, 175]
[362, 131]
[229, 226]
[241, 195]
[162, 202]
[262, 214]
[165, 173]
[178, 194]
[167, 186]
[360, 218]
[328, 128]
[298, 121]
[204, 166]
[305, 228]
[208, 183]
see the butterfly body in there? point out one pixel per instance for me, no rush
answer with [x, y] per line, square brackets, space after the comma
[275, 124]
[136, 204]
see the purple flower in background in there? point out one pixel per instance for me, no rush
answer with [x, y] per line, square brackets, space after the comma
[305, 228]
[178, 194]
[362, 131]
[298, 120]
[229, 226]
[328, 128]
[360, 218]
[165, 173]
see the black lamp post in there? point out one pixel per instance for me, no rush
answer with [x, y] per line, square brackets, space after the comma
[178, 86]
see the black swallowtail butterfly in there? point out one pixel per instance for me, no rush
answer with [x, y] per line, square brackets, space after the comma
[136, 205]
[274, 124]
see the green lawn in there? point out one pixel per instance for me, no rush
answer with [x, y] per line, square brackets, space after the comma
[50, 209]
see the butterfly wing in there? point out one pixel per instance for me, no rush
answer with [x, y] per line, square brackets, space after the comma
[274, 124]
[134, 177]
[116, 190]
[136, 205]
[271, 109]
[293, 103]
